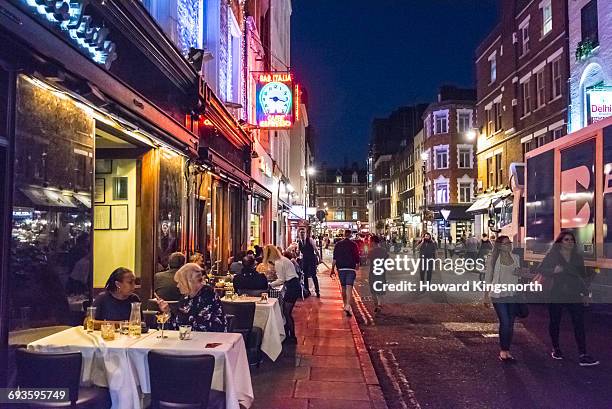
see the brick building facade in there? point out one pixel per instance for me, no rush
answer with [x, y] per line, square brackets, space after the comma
[342, 193]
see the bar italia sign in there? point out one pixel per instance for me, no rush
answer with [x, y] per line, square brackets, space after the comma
[69, 16]
[276, 100]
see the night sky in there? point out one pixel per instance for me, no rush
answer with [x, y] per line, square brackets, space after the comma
[361, 59]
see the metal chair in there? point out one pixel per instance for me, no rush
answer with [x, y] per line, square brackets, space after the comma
[182, 381]
[63, 370]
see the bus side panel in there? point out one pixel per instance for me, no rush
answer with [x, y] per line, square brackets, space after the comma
[539, 206]
[606, 252]
[577, 199]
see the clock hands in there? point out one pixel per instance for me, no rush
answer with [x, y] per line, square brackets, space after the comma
[277, 99]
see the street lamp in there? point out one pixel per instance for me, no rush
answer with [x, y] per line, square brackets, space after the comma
[470, 135]
[379, 188]
[311, 170]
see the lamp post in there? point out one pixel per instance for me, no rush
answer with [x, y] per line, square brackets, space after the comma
[310, 171]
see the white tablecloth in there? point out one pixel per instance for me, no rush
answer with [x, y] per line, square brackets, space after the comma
[269, 318]
[231, 375]
[105, 363]
[122, 364]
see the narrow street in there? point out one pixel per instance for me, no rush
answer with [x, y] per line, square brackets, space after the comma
[445, 355]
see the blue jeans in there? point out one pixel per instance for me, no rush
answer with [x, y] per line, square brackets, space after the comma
[506, 313]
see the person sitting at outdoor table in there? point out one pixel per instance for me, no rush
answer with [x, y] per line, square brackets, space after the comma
[115, 303]
[249, 278]
[200, 307]
[164, 284]
[237, 263]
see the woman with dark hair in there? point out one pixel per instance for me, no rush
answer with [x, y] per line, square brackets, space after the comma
[249, 278]
[564, 267]
[503, 268]
[115, 304]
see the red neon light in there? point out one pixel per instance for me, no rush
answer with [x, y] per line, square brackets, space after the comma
[283, 77]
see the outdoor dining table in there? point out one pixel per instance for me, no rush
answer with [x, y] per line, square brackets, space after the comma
[122, 365]
[269, 318]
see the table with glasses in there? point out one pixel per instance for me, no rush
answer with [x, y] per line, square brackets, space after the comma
[122, 366]
[269, 318]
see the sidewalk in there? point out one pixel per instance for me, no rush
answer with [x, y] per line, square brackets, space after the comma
[329, 368]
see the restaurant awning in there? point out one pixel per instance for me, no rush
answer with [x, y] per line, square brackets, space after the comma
[482, 203]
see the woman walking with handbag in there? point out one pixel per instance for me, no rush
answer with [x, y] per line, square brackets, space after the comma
[564, 267]
[503, 268]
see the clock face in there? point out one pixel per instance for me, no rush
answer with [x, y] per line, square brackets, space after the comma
[275, 98]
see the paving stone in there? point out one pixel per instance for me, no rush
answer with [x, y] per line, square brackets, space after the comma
[334, 350]
[330, 361]
[331, 390]
[336, 375]
[338, 404]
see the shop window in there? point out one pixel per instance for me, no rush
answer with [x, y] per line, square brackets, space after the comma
[51, 219]
[170, 204]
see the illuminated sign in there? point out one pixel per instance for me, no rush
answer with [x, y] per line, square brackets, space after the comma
[69, 16]
[275, 100]
[599, 104]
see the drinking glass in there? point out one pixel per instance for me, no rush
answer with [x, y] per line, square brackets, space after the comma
[108, 331]
[91, 314]
[184, 332]
[162, 319]
[124, 327]
[264, 298]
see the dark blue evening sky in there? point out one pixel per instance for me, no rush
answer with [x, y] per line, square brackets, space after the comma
[361, 59]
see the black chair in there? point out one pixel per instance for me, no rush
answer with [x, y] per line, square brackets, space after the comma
[183, 382]
[51, 370]
[243, 314]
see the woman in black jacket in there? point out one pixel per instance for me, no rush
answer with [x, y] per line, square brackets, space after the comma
[249, 278]
[564, 267]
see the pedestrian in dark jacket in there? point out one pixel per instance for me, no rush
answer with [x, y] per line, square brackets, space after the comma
[427, 253]
[564, 267]
[485, 247]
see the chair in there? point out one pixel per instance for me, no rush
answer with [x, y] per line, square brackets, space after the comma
[243, 314]
[51, 370]
[182, 381]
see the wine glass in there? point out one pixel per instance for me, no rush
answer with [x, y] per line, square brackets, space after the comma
[162, 318]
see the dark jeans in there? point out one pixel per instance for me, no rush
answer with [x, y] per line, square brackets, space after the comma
[576, 312]
[506, 313]
[426, 269]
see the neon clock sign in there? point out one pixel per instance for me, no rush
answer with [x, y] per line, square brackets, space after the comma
[275, 100]
[69, 16]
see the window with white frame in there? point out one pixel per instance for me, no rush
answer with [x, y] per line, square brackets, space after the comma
[465, 154]
[339, 215]
[526, 97]
[440, 122]
[556, 78]
[428, 126]
[497, 111]
[355, 217]
[441, 157]
[524, 30]
[547, 17]
[355, 177]
[441, 191]
[464, 120]
[234, 59]
[338, 179]
[465, 191]
[489, 125]
[493, 66]
[540, 89]
[340, 190]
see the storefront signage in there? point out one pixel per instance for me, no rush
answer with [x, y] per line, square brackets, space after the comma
[275, 100]
[69, 16]
[599, 104]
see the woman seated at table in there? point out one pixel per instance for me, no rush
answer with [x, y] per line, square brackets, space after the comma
[200, 307]
[115, 304]
[287, 276]
[248, 278]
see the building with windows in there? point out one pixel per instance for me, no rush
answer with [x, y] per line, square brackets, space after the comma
[521, 74]
[448, 153]
[342, 194]
[590, 60]
[389, 136]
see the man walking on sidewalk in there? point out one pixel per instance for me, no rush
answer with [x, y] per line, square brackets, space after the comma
[346, 260]
[310, 258]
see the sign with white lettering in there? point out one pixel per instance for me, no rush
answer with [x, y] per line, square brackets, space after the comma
[69, 17]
